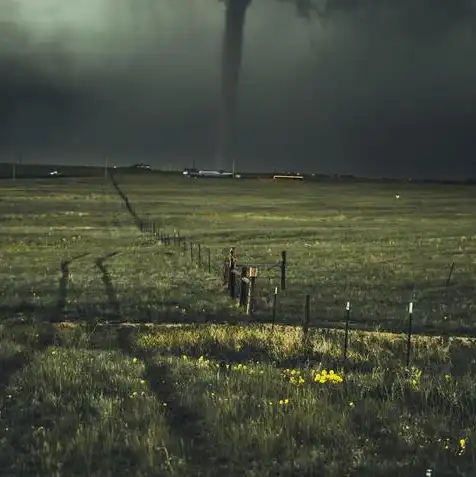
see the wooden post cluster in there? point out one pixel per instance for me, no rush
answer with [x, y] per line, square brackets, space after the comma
[236, 280]
[240, 282]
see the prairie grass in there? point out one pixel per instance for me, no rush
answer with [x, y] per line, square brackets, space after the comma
[118, 356]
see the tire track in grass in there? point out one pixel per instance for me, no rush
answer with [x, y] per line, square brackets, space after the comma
[19, 345]
[185, 423]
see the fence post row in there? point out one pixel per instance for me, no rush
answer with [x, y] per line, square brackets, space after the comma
[247, 282]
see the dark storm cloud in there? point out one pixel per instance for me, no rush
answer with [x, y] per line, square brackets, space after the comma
[366, 86]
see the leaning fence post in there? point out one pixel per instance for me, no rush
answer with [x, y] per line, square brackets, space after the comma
[275, 300]
[410, 326]
[346, 335]
[199, 255]
[283, 270]
[253, 273]
[191, 251]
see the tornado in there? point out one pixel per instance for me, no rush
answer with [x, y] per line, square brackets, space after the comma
[235, 15]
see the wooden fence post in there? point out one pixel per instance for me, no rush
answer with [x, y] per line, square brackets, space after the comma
[283, 270]
[243, 286]
[226, 272]
[209, 262]
[253, 273]
[232, 283]
[199, 255]
[231, 266]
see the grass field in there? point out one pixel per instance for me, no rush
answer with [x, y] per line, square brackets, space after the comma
[120, 357]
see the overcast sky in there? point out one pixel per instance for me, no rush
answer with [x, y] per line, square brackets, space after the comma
[365, 90]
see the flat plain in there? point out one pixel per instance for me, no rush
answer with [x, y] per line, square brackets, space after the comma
[122, 356]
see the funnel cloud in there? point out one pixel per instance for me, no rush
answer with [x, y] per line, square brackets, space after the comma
[371, 87]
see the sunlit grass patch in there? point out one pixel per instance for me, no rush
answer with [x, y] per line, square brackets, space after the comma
[254, 413]
[284, 345]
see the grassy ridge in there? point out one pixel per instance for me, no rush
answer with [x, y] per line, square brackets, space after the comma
[85, 392]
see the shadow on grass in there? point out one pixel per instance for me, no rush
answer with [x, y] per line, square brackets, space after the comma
[106, 279]
[137, 220]
[33, 339]
[185, 423]
[59, 315]
[11, 365]
[251, 351]
[145, 313]
[384, 325]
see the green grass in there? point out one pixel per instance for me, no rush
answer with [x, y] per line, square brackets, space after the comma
[345, 242]
[118, 357]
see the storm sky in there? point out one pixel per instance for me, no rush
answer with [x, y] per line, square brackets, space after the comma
[370, 87]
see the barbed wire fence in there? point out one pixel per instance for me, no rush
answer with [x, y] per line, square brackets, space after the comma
[262, 290]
